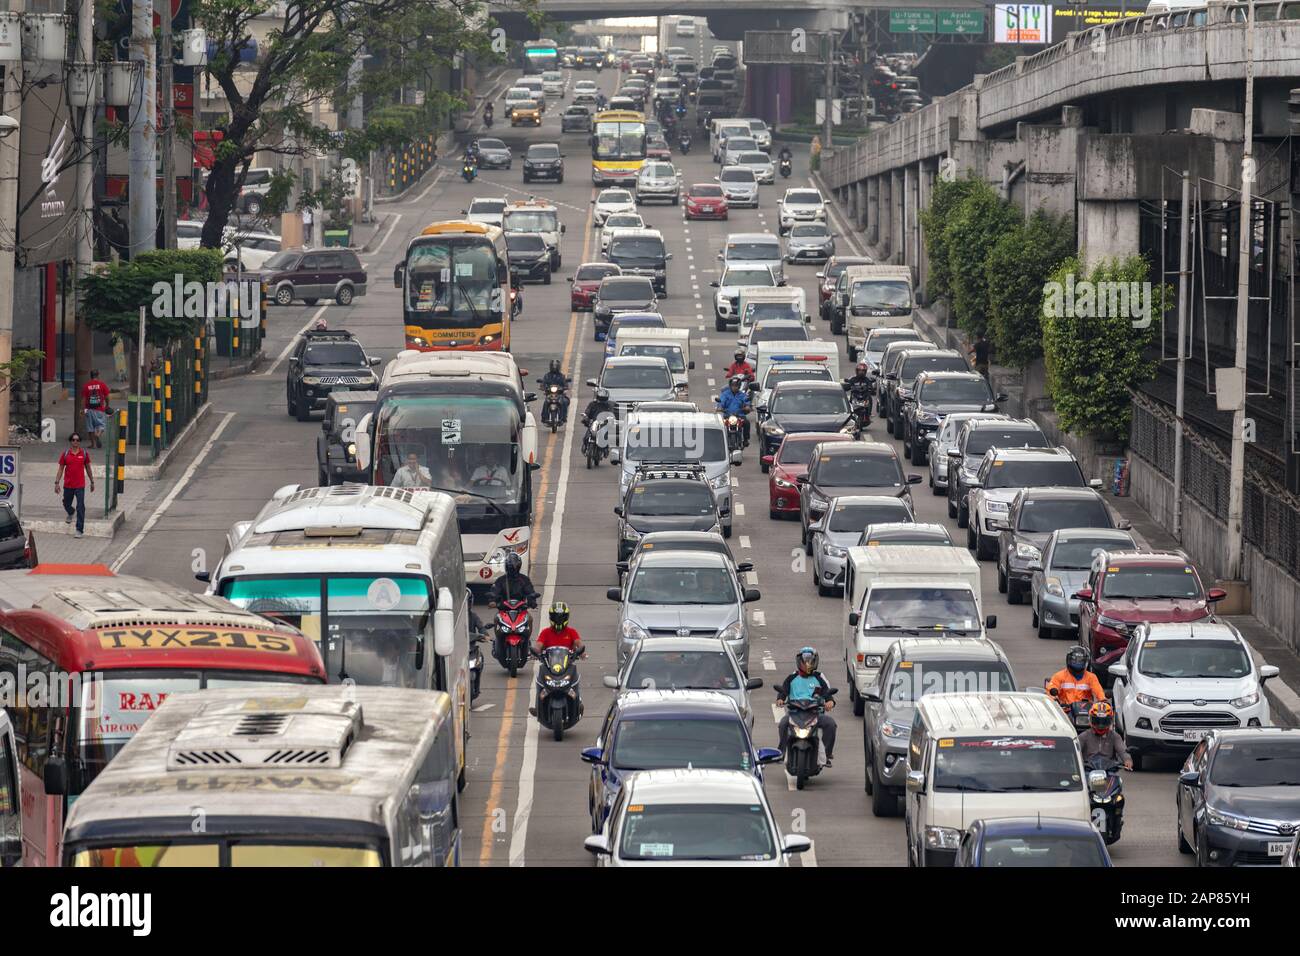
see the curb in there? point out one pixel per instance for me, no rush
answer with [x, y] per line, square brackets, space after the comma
[242, 368]
[379, 227]
[103, 528]
[152, 472]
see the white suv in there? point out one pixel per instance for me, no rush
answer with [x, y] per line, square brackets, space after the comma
[1177, 682]
[801, 204]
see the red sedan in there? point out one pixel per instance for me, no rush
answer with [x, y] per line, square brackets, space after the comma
[791, 460]
[586, 281]
[705, 201]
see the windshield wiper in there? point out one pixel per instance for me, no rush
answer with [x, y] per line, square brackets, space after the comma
[473, 494]
[894, 627]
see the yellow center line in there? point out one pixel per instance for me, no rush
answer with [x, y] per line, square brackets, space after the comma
[487, 844]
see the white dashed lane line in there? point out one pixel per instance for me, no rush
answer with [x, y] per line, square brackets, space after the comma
[744, 541]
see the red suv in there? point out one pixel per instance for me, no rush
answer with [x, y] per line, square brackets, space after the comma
[1127, 588]
[586, 281]
[791, 460]
[705, 201]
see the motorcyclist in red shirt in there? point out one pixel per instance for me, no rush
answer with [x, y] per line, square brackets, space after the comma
[559, 634]
[740, 367]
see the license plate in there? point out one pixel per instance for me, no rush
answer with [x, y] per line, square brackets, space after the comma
[1278, 849]
[1194, 734]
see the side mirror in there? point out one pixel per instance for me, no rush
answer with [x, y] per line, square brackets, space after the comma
[1083, 594]
[592, 383]
[1034, 566]
[530, 396]
[872, 694]
[610, 681]
[744, 566]
[690, 366]
[915, 781]
[398, 273]
[1123, 525]
[974, 485]
[464, 212]
[444, 625]
[1215, 594]
[914, 479]
[374, 361]
[991, 622]
[55, 776]
[568, 279]
[854, 617]
[614, 594]
[597, 845]
[954, 452]
[1189, 778]
[1119, 670]
[754, 683]
[1000, 397]
[796, 843]
[801, 479]
[767, 754]
[618, 510]
[621, 567]
[1268, 672]
[736, 457]
[752, 595]
[769, 460]
[594, 754]
[205, 576]
[1094, 482]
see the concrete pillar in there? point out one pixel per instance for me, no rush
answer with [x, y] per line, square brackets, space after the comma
[929, 171]
[873, 210]
[908, 212]
[1107, 230]
[860, 205]
[897, 228]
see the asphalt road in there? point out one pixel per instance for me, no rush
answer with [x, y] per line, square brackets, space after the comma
[526, 802]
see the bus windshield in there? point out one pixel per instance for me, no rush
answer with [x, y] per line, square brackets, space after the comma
[371, 628]
[453, 281]
[454, 443]
[619, 139]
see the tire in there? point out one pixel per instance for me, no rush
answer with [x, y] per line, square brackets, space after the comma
[823, 591]
[1046, 633]
[773, 514]
[345, 295]
[310, 301]
[1015, 595]
[726, 531]
[1002, 580]
[558, 731]
[963, 517]
[284, 295]
[801, 781]
[1184, 847]
[719, 324]
[984, 550]
[970, 538]
[762, 465]
[952, 509]
[559, 181]
[889, 425]
[514, 670]
[1202, 852]
[907, 445]
[289, 406]
[807, 545]
[461, 781]
[301, 411]
[322, 478]
[936, 490]
[883, 803]
[676, 199]
[1137, 760]
[919, 455]
[547, 279]
[253, 207]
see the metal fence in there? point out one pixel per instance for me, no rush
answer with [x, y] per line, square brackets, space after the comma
[1271, 514]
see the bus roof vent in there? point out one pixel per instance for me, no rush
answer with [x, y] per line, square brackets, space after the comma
[339, 510]
[288, 732]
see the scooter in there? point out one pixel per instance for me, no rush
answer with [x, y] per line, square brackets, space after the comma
[1105, 796]
[487, 119]
[786, 169]
[514, 628]
[684, 144]
[735, 432]
[552, 406]
[475, 664]
[860, 404]
[803, 742]
[595, 444]
[559, 702]
[469, 171]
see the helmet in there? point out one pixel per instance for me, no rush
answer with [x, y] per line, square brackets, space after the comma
[740, 354]
[737, 380]
[559, 615]
[555, 365]
[1076, 659]
[602, 394]
[1100, 717]
[806, 661]
[514, 564]
[861, 368]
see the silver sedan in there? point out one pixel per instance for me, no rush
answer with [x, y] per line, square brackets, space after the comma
[809, 242]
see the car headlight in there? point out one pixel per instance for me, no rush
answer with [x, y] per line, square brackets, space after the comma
[631, 534]
[732, 632]
[352, 449]
[1028, 552]
[833, 551]
[782, 483]
[633, 631]
[873, 660]
[1115, 624]
[722, 481]
[997, 507]
[1250, 700]
[895, 731]
[1148, 700]
[1054, 587]
[772, 428]
[1219, 818]
[927, 418]
[310, 380]
[942, 838]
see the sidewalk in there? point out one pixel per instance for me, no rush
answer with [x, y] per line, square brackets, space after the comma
[1267, 647]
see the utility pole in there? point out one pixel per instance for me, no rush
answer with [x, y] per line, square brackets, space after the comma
[1184, 290]
[317, 213]
[11, 105]
[829, 130]
[143, 116]
[83, 345]
[168, 126]
[1237, 473]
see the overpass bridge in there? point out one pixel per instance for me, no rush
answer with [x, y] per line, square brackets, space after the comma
[727, 19]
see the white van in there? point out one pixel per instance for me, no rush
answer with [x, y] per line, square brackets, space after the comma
[988, 756]
[874, 297]
[929, 588]
[786, 302]
[11, 801]
[720, 129]
[673, 345]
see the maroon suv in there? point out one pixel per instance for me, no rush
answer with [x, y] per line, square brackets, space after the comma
[312, 275]
[1126, 588]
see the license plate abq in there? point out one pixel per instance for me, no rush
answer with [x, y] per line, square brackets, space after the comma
[1278, 848]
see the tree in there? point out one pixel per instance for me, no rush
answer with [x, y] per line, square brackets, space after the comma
[970, 233]
[947, 197]
[1016, 269]
[305, 60]
[113, 295]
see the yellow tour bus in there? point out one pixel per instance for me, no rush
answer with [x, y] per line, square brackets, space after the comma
[455, 282]
[617, 147]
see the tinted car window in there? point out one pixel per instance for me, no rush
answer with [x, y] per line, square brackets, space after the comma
[518, 242]
[859, 470]
[959, 390]
[738, 174]
[913, 364]
[779, 333]
[1035, 474]
[660, 498]
[682, 586]
[855, 517]
[1150, 582]
[1263, 763]
[543, 151]
[636, 376]
[1049, 514]
[334, 353]
[630, 291]
[703, 191]
[597, 271]
[980, 440]
[809, 401]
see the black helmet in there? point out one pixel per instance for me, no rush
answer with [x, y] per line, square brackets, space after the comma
[602, 394]
[740, 353]
[559, 615]
[861, 368]
[514, 564]
[555, 365]
[1076, 659]
[806, 661]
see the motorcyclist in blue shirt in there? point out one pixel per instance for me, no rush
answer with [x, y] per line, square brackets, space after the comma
[806, 683]
[734, 400]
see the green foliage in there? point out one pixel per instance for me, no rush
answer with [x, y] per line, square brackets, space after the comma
[19, 366]
[947, 197]
[1015, 271]
[112, 297]
[1093, 360]
[970, 233]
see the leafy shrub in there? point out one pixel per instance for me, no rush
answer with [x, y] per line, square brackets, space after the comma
[112, 297]
[1016, 269]
[974, 227]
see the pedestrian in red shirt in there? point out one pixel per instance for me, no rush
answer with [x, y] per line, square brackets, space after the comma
[75, 470]
[94, 404]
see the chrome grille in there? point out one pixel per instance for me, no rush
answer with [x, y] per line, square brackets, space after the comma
[340, 379]
[1182, 720]
[677, 632]
[1273, 828]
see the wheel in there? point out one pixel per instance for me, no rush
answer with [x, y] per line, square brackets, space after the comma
[554, 427]
[1137, 760]
[719, 324]
[801, 781]
[289, 406]
[970, 538]
[1015, 594]
[547, 279]
[762, 465]
[963, 517]
[310, 301]
[322, 478]
[301, 411]
[907, 445]
[1045, 633]
[514, 670]
[883, 803]
[253, 207]
[559, 181]
[558, 731]
[1202, 851]
[807, 544]
[774, 514]
[952, 508]
[919, 454]
[284, 295]
[344, 296]
[859, 702]
[823, 591]
[1184, 847]
[461, 781]
[889, 425]
[1002, 580]
[675, 200]
[726, 531]
[936, 490]
[983, 551]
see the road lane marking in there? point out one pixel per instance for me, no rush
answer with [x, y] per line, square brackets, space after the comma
[482, 707]
[740, 510]
[294, 341]
[173, 494]
[760, 618]
[396, 218]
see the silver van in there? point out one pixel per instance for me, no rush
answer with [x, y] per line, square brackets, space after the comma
[678, 437]
[754, 249]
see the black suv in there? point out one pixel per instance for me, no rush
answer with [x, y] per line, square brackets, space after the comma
[641, 252]
[977, 437]
[666, 496]
[1035, 513]
[849, 468]
[313, 274]
[934, 396]
[897, 387]
[336, 450]
[323, 362]
[621, 294]
[543, 161]
[530, 257]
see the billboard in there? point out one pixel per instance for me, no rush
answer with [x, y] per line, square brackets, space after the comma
[1084, 16]
[1022, 23]
[47, 177]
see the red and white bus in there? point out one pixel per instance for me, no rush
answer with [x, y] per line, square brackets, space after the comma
[86, 656]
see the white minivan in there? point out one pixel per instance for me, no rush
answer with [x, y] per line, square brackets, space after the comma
[11, 803]
[989, 756]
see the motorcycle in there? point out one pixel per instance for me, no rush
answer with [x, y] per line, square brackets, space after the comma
[559, 703]
[553, 406]
[1105, 796]
[516, 301]
[860, 405]
[1077, 711]
[803, 743]
[684, 145]
[487, 119]
[475, 664]
[735, 432]
[514, 628]
[595, 444]
[786, 168]
[469, 171]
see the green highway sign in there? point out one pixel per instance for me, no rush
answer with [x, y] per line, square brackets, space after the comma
[967, 22]
[911, 21]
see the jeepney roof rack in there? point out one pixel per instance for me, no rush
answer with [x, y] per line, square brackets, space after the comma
[283, 731]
